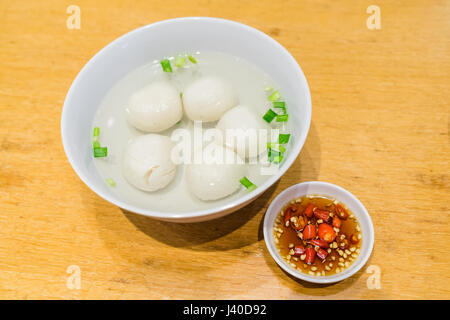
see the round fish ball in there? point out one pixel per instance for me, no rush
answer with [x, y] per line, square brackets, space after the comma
[217, 178]
[208, 98]
[244, 131]
[147, 162]
[155, 108]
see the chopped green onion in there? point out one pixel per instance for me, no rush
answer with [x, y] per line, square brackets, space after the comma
[179, 61]
[111, 182]
[275, 156]
[283, 138]
[96, 144]
[247, 184]
[280, 105]
[100, 152]
[181, 94]
[282, 117]
[166, 65]
[269, 116]
[272, 154]
[275, 96]
[192, 59]
[275, 146]
[96, 133]
[278, 159]
[268, 88]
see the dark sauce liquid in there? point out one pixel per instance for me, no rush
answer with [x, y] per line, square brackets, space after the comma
[337, 259]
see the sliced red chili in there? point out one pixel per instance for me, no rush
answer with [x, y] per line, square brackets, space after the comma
[322, 254]
[322, 214]
[299, 250]
[337, 222]
[309, 232]
[341, 212]
[310, 255]
[300, 223]
[309, 210]
[326, 232]
[287, 216]
[320, 243]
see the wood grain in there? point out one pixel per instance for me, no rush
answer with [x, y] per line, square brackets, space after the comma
[380, 128]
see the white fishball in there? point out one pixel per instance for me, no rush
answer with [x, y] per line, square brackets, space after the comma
[216, 179]
[208, 98]
[155, 107]
[147, 162]
[242, 129]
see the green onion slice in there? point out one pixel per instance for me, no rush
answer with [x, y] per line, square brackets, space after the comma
[268, 88]
[269, 116]
[283, 138]
[166, 65]
[100, 152]
[280, 105]
[278, 159]
[179, 61]
[96, 144]
[275, 156]
[275, 96]
[192, 59]
[272, 154]
[96, 133]
[275, 147]
[247, 184]
[111, 182]
[282, 117]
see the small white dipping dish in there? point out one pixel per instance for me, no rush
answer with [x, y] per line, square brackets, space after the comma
[317, 188]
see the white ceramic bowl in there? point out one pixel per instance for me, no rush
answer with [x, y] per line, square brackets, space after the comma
[331, 191]
[167, 38]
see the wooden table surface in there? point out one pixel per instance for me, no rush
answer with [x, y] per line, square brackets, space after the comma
[380, 128]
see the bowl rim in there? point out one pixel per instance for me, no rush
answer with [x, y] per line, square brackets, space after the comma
[295, 151]
[268, 237]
